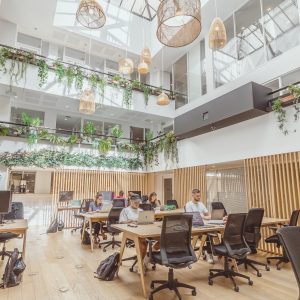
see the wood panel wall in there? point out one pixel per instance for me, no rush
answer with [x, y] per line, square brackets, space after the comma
[86, 184]
[272, 182]
[185, 180]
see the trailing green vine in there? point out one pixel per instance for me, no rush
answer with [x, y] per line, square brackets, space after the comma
[42, 72]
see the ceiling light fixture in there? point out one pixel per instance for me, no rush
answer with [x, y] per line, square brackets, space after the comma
[179, 22]
[87, 103]
[90, 14]
[162, 98]
[126, 66]
[217, 33]
[143, 68]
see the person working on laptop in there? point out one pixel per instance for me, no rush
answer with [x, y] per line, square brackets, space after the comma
[196, 205]
[95, 206]
[121, 195]
[153, 200]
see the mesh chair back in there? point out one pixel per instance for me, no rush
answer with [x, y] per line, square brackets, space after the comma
[119, 202]
[290, 239]
[234, 231]
[172, 202]
[145, 206]
[144, 198]
[17, 211]
[252, 226]
[218, 205]
[114, 215]
[175, 242]
[294, 218]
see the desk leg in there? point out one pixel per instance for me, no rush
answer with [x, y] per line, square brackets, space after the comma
[202, 243]
[140, 264]
[194, 241]
[91, 235]
[24, 245]
[83, 229]
[122, 250]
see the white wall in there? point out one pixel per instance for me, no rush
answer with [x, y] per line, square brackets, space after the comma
[3, 178]
[5, 108]
[42, 182]
[252, 138]
[8, 33]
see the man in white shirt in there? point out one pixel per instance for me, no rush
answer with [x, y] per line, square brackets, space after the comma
[130, 214]
[196, 205]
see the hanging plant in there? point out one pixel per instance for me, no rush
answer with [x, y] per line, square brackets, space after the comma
[70, 75]
[101, 85]
[4, 55]
[60, 71]
[89, 129]
[73, 139]
[93, 81]
[79, 77]
[280, 115]
[170, 147]
[42, 72]
[4, 131]
[116, 81]
[147, 91]
[104, 145]
[26, 119]
[127, 95]
[295, 91]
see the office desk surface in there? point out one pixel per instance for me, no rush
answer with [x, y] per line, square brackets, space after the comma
[18, 226]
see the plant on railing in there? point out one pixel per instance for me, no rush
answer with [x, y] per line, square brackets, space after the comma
[169, 144]
[4, 55]
[281, 114]
[127, 94]
[56, 159]
[88, 129]
[42, 72]
[70, 76]
[104, 145]
[60, 71]
[117, 132]
[73, 139]
[79, 77]
[4, 131]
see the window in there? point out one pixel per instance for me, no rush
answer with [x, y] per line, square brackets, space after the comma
[180, 81]
[16, 115]
[22, 182]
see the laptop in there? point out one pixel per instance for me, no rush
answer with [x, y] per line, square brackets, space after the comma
[106, 207]
[146, 217]
[217, 214]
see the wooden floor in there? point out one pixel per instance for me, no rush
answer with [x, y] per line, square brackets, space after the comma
[58, 262]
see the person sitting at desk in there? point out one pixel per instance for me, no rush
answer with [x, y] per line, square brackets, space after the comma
[196, 205]
[94, 207]
[121, 195]
[153, 200]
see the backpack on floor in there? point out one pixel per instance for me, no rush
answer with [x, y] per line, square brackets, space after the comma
[13, 270]
[108, 267]
[53, 226]
[86, 239]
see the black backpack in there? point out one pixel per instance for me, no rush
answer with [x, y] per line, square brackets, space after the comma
[108, 267]
[86, 239]
[13, 270]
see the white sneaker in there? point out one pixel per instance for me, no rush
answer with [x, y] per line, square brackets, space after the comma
[209, 258]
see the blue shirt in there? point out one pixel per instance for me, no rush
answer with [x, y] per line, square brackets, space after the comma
[95, 207]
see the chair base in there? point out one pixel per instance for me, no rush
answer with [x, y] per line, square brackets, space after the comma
[112, 243]
[171, 284]
[228, 273]
[251, 263]
[281, 260]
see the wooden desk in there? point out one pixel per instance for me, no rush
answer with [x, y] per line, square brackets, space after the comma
[16, 226]
[103, 217]
[154, 231]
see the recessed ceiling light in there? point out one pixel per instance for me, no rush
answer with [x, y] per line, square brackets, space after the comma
[67, 118]
[35, 28]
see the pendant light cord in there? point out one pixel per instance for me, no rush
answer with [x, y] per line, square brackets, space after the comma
[216, 9]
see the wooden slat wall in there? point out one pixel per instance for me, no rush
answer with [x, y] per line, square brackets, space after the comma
[86, 184]
[273, 182]
[185, 180]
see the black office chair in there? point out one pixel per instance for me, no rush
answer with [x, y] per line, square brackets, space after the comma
[176, 252]
[17, 212]
[218, 205]
[252, 236]
[113, 218]
[84, 207]
[172, 202]
[290, 239]
[118, 202]
[274, 239]
[145, 206]
[233, 246]
[144, 198]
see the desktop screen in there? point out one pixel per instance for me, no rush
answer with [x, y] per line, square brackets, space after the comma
[107, 196]
[5, 202]
[66, 196]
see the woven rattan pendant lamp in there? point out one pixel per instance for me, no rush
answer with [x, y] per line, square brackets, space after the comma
[162, 98]
[217, 33]
[179, 22]
[90, 14]
[87, 103]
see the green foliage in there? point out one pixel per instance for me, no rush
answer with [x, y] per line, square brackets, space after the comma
[147, 91]
[93, 80]
[116, 131]
[4, 131]
[170, 147]
[60, 71]
[26, 119]
[32, 138]
[70, 75]
[149, 135]
[88, 129]
[73, 139]
[42, 72]
[57, 140]
[57, 159]
[4, 55]
[43, 134]
[104, 145]
[79, 77]
[127, 94]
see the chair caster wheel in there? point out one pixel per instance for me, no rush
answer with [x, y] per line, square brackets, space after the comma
[278, 268]
[153, 268]
[236, 289]
[104, 250]
[194, 293]
[104, 237]
[251, 282]
[210, 282]
[131, 270]
[267, 268]
[259, 275]
[268, 262]
[152, 286]
[211, 274]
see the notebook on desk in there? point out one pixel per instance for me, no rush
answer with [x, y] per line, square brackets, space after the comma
[146, 217]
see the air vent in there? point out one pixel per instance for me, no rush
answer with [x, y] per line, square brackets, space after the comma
[27, 40]
[74, 56]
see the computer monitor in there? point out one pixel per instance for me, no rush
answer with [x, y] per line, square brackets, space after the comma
[5, 204]
[107, 196]
[119, 202]
[136, 192]
[66, 196]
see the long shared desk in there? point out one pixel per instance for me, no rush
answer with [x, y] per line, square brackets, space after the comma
[142, 232]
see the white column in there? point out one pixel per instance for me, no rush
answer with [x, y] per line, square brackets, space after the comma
[50, 119]
[5, 110]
